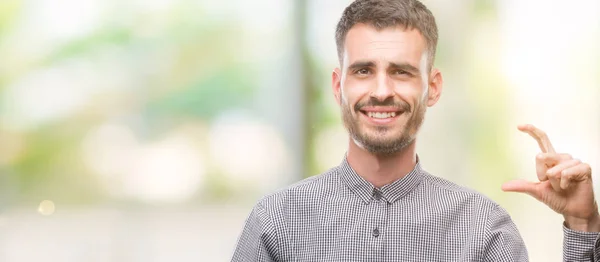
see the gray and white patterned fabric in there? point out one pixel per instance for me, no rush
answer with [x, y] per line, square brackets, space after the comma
[339, 216]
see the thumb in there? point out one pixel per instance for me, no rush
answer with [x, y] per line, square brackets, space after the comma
[521, 186]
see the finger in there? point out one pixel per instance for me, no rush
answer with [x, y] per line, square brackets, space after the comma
[554, 174]
[540, 136]
[557, 169]
[575, 174]
[555, 183]
[541, 167]
[544, 161]
[552, 159]
[565, 181]
[522, 186]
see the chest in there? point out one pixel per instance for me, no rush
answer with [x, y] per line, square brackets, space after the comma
[382, 231]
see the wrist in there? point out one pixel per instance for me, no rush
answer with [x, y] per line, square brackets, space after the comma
[591, 224]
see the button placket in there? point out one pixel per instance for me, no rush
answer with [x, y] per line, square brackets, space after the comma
[380, 213]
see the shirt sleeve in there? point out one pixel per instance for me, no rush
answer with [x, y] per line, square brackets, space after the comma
[258, 241]
[502, 239]
[580, 246]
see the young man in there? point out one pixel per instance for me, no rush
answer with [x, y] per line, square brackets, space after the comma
[379, 204]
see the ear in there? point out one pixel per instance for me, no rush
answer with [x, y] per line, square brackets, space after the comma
[436, 83]
[336, 84]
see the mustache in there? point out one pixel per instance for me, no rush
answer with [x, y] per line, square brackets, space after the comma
[388, 102]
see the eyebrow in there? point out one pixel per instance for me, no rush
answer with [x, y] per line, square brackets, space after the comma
[406, 67]
[360, 64]
[402, 66]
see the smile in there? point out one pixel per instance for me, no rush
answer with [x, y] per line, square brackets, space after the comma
[381, 115]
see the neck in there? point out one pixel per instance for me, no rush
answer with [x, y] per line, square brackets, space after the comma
[381, 170]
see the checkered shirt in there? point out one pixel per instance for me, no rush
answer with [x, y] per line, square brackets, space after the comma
[339, 216]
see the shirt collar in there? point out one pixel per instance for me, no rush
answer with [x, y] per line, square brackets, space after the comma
[391, 192]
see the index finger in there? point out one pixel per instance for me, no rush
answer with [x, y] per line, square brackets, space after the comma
[540, 136]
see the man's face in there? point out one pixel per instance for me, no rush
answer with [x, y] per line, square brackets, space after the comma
[384, 87]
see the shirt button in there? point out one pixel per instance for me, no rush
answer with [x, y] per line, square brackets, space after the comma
[377, 195]
[376, 232]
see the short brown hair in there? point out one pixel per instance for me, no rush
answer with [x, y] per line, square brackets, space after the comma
[410, 14]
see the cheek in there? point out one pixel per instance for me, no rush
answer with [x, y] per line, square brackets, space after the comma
[346, 95]
[411, 92]
[343, 98]
[353, 91]
[347, 103]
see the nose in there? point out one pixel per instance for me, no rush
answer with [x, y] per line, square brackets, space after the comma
[383, 88]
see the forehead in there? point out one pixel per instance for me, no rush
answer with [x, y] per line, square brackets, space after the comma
[397, 44]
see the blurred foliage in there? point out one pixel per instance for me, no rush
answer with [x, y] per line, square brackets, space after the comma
[232, 85]
[488, 131]
[47, 169]
[9, 9]
[201, 77]
[98, 40]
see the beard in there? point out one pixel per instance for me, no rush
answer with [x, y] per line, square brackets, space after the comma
[381, 140]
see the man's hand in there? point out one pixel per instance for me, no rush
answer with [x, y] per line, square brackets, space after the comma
[565, 185]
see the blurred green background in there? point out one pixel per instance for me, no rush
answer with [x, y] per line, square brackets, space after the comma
[146, 130]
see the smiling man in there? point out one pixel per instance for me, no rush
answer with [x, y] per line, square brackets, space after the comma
[379, 204]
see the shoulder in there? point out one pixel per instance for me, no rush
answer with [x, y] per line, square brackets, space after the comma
[445, 190]
[304, 190]
[451, 198]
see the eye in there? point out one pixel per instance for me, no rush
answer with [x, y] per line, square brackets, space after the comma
[362, 71]
[401, 72]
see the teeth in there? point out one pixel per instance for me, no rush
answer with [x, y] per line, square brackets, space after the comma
[381, 115]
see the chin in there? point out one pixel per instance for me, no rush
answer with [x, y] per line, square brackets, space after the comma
[383, 133]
